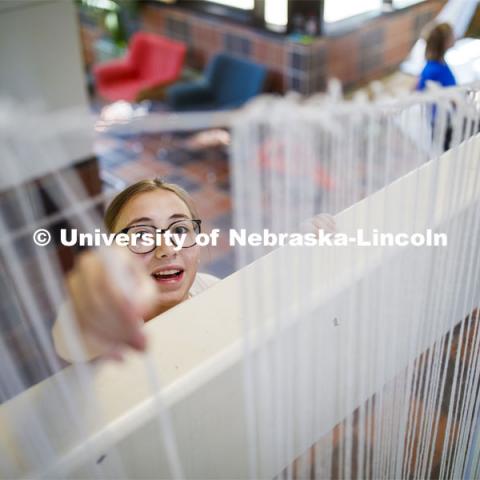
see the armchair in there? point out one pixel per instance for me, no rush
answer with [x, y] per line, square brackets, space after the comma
[152, 61]
[228, 83]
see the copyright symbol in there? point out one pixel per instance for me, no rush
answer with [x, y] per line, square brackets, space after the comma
[41, 237]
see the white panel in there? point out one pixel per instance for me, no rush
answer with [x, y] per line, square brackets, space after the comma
[41, 63]
[40, 54]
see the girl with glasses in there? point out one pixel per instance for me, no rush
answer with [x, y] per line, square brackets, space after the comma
[159, 276]
[107, 318]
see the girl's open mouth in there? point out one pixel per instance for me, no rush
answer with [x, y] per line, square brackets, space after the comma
[171, 275]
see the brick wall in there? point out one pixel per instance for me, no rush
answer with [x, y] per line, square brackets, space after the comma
[361, 55]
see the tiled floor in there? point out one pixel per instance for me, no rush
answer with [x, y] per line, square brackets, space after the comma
[204, 173]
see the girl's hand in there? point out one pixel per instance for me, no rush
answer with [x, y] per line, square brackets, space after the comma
[322, 221]
[325, 222]
[110, 294]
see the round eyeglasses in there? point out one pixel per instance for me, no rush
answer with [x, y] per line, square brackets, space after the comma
[143, 238]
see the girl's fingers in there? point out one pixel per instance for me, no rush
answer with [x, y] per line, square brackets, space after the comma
[322, 221]
[92, 340]
[106, 315]
[325, 222]
[144, 292]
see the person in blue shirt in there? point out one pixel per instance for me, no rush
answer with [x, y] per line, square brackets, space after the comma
[439, 39]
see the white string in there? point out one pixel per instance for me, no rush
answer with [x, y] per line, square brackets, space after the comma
[279, 146]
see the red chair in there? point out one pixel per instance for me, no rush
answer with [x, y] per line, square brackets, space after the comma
[151, 61]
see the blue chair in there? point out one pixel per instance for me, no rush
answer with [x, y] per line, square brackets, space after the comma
[228, 82]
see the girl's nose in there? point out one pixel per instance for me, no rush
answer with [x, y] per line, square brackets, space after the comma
[164, 250]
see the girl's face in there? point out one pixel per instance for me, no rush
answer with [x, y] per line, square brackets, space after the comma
[172, 271]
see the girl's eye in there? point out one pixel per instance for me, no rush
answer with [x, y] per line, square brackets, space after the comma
[141, 233]
[181, 230]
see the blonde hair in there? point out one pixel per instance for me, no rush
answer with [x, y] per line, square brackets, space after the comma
[149, 185]
[437, 38]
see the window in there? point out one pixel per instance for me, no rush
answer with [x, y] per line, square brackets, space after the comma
[336, 10]
[243, 4]
[405, 3]
[270, 14]
[276, 12]
[295, 16]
